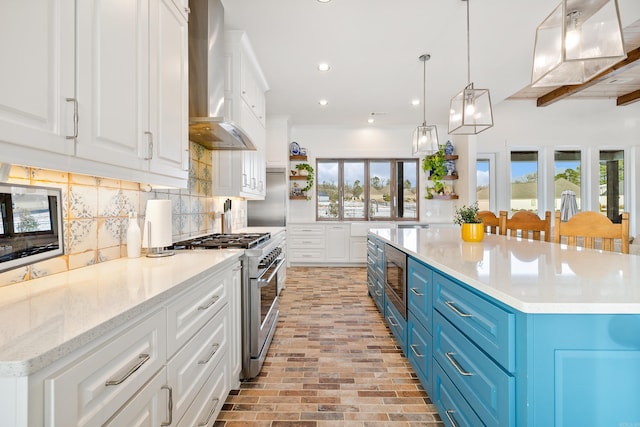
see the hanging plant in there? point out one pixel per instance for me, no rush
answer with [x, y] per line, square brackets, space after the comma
[309, 169]
[435, 166]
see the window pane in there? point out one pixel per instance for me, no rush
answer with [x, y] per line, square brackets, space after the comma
[483, 188]
[407, 178]
[567, 168]
[354, 207]
[524, 181]
[612, 183]
[380, 189]
[327, 178]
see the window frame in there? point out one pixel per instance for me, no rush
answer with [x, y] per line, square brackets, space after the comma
[393, 189]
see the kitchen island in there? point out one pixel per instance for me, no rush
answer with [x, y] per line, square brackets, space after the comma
[108, 343]
[518, 333]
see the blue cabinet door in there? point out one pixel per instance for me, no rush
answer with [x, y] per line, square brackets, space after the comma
[419, 292]
[419, 351]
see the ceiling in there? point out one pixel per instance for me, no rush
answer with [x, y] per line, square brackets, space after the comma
[373, 48]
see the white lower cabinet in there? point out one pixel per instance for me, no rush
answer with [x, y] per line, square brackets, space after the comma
[305, 243]
[174, 365]
[337, 242]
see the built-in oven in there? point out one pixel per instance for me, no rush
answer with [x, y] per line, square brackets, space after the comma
[396, 278]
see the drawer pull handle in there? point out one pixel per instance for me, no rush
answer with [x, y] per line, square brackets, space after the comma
[413, 348]
[391, 321]
[378, 293]
[416, 293]
[211, 412]
[215, 349]
[457, 310]
[456, 365]
[169, 406]
[210, 303]
[143, 358]
[449, 414]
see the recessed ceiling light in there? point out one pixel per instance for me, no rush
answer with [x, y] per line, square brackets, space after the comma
[324, 1]
[415, 102]
[323, 66]
[370, 120]
[323, 102]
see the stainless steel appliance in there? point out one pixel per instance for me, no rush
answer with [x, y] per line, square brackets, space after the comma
[396, 278]
[270, 212]
[262, 271]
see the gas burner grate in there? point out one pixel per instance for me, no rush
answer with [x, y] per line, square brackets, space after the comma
[224, 241]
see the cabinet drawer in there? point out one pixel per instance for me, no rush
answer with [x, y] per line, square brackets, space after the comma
[305, 230]
[453, 409]
[490, 327]
[93, 388]
[195, 362]
[397, 324]
[306, 242]
[419, 292]
[419, 351]
[306, 255]
[207, 405]
[192, 310]
[489, 390]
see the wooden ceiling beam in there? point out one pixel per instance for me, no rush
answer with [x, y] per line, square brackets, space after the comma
[628, 98]
[568, 90]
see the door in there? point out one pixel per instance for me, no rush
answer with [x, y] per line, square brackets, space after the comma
[37, 78]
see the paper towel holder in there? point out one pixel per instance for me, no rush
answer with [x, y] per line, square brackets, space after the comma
[157, 229]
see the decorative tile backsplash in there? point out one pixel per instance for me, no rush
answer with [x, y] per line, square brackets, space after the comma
[95, 212]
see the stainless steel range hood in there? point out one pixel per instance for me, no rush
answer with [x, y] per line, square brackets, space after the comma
[207, 123]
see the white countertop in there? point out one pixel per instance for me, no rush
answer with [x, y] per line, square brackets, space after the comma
[530, 276]
[44, 319]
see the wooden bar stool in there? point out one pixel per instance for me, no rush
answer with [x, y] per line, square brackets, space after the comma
[527, 225]
[587, 228]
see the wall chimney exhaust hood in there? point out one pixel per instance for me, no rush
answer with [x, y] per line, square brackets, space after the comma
[207, 124]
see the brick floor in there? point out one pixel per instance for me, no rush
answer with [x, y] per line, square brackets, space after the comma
[332, 362]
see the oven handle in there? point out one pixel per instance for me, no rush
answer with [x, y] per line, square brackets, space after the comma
[264, 282]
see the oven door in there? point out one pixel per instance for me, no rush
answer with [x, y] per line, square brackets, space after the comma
[264, 310]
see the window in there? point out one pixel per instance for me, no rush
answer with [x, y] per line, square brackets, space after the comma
[566, 176]
[361, 190]
[485, 182]
[524, 181]
[611, 196]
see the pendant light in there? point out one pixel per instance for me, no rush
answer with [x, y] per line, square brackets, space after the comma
[425, 137]
[470, 111]
[578, 40]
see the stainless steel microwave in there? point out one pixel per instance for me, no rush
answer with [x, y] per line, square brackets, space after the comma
[30, 224]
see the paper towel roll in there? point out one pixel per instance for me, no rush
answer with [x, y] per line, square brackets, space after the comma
[157, 224]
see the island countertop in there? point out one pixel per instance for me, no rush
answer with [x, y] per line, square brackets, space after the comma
[44, 319]
[530, 276]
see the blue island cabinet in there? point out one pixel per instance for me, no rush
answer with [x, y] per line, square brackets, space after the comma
[419, 323]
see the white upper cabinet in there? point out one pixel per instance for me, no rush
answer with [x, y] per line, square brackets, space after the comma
[37, 75]
[132, 85]
[243, 173]
[102, 84]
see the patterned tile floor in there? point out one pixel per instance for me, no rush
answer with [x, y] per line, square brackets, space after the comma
[332, 362]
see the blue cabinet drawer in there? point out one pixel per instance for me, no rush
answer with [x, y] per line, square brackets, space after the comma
[419, 287]
[487, 388]
[453, 409]
[491, 327]
[397, 324]
[378, 294]
[419, 351]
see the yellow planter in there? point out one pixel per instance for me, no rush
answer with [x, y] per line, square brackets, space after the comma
[472, 232]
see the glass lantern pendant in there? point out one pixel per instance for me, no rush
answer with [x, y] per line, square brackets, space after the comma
[470, 111]
[578, 40]
[425, 137]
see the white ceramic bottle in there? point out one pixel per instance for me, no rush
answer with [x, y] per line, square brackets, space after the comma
[134, 238]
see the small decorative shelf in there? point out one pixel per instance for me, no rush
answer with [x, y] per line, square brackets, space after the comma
[447, 177]
[298, 158]
[298, 177]
[297, 197]
[445, 196]
[451, 157]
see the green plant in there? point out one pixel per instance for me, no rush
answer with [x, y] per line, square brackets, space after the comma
[307, 167]
[434, 164]
[467, 214]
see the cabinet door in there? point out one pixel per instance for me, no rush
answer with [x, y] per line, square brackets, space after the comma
[150, 407]
[168, 102]
[112, 81]
[37, 76]
[337, 243]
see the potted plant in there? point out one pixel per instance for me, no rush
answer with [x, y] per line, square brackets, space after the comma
[306, 168]
[435, 166]
[471, 227]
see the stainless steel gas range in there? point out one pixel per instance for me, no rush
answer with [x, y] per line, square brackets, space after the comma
[263, 275]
